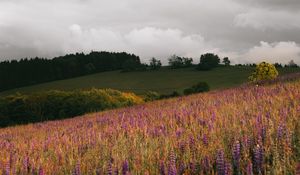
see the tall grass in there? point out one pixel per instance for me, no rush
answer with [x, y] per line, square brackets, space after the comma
[247, 130]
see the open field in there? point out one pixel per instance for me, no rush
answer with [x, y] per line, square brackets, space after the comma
[241, 130]
[162, 81]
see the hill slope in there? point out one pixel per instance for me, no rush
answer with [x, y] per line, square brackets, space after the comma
[162, 81]
[241, 130]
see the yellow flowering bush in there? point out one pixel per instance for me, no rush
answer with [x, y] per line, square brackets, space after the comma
[264, 71]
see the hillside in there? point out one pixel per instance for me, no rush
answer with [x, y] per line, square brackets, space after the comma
[244, 130]
[163, 81]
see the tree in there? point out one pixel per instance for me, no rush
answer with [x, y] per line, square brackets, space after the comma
[226, 61]
[208, 61]
[187, 62]
[175, 61]
[292, 64]
[155, 64]
[264, 71]
[278, 65]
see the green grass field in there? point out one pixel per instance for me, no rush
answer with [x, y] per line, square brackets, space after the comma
[163, 81]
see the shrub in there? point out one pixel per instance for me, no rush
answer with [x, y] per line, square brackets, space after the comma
[199, 87]
[208, 61]
[173, 94]
[151, 96]
[51, 105]
[264, 71]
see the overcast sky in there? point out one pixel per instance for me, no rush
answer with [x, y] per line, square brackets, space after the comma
[243, 30]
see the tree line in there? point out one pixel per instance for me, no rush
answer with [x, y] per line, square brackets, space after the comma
[32, 71]
[14, 74]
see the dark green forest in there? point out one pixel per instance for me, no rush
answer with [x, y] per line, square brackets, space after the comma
[24, 72]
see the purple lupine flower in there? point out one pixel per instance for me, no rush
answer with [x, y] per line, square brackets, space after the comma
[26, 164]
[125, 167]
[280, 132]
[220, 162]
[162, 168]
[181, 168]
[7, 169]
[205, 164]
[258, 158]
[249, 168]
[192, 142]
[236, 155]
[182, 146]
[41, 171]
[109, 168]
[192, 167]
[263, 134]
[116, 172]
[172, 165]
[205, 140]
[77, 169]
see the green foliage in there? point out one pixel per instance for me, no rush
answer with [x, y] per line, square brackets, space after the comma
[53, 105]
[151, 96]
[208, 61]
[171, 95]
[155, 64]
[179, 62]
[197, 88]
[264, 71]
[38, 70]
[226, 61]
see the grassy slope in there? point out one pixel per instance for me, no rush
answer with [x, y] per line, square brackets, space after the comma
[162, 81]
[179, 132]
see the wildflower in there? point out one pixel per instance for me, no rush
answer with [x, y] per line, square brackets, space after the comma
[220, 162]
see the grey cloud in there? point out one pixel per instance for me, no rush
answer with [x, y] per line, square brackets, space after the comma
[148, 28]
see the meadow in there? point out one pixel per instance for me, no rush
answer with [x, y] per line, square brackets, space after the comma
[243, 130]
[163, 81]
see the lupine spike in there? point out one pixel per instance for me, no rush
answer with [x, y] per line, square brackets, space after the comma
[220, 162]
[236, 155]
[41, 171]
[162, 168]
[109, 169]
[172, 165]
[249, 168]
[125, 167]
[258, 158]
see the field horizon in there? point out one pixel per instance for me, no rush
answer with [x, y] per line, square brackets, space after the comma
[163, 81]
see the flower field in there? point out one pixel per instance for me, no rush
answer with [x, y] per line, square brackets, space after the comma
[246, 130]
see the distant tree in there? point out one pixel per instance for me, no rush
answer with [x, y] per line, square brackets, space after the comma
[208, 61]
[226, 61]
[175, 61]
[278, 65]
[187, 62]
[292, 64]
[155, 64]
[264, 71]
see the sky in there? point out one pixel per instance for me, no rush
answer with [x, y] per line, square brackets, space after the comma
[246, 31]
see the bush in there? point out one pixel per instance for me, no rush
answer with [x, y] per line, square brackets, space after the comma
[51, 105]
[200, 87]
[208, 61]
[151, 96]
[173, 94]
[264, 71]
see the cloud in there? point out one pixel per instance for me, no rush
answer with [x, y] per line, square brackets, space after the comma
[146, 42]
[147, 28]
[281, 52]
[263, 19]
